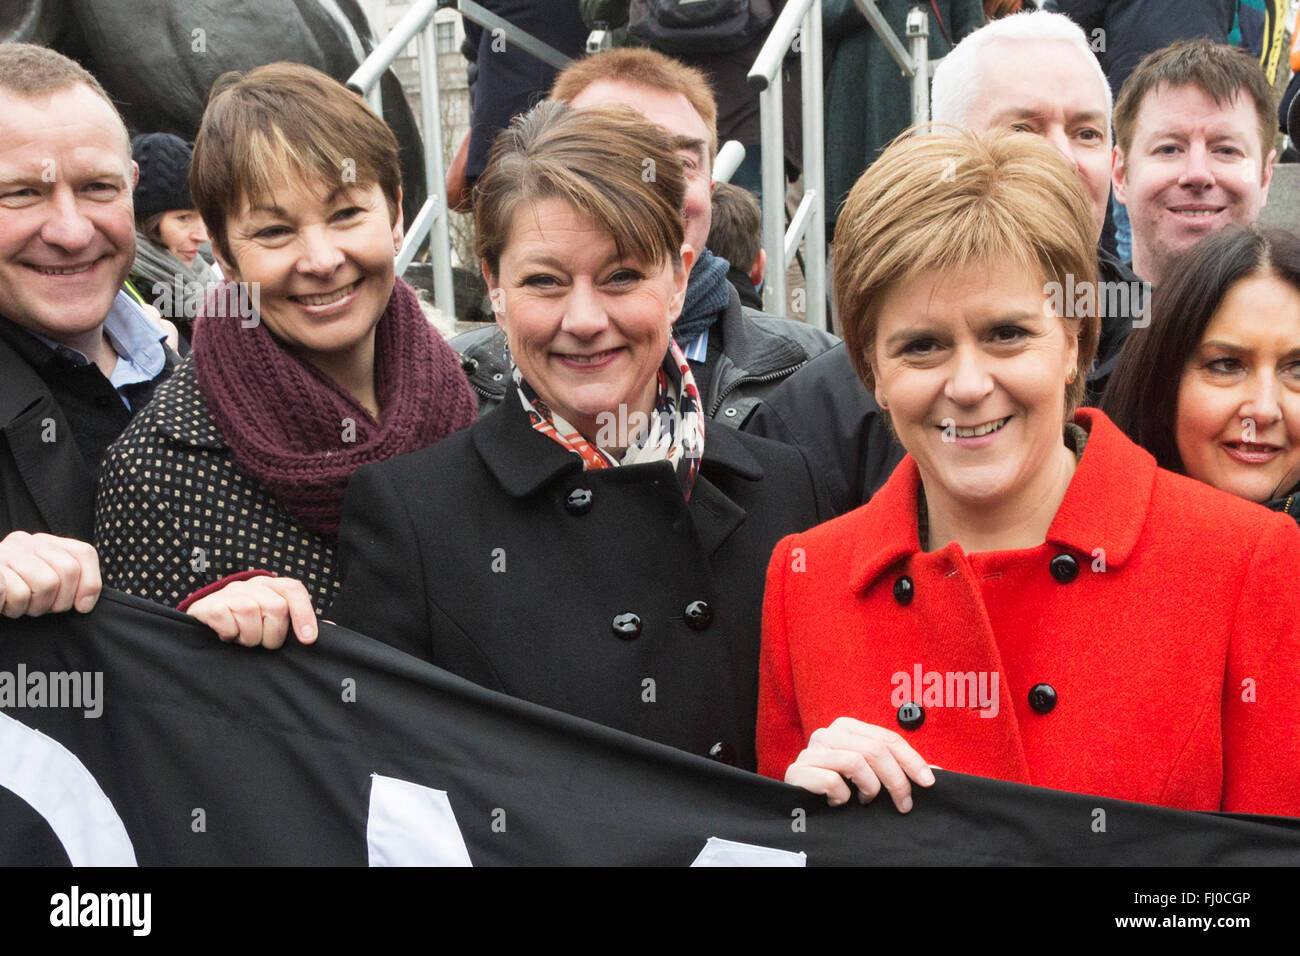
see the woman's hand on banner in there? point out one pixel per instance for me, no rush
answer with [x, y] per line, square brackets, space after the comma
[872, 758]
[259, 612]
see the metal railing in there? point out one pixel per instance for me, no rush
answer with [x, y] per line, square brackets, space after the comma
[802, 19]
[915, 64]
[431, 220]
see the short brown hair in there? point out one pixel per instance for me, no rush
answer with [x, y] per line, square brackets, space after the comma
[736, 232]
[643, 67]
[31, 70]
[932, 203]
[281, 121]
[1219, 71]
[607, 162]
[28, 70]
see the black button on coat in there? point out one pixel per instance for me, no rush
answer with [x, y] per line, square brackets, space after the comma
[468, 555]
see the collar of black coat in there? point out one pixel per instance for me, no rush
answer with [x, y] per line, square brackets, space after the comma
[522, 459]
[1104, 507]
[18, 370]
[27, 347]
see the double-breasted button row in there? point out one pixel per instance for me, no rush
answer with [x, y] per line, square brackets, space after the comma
[1064, 567]
[1042, 698]
[698, 616]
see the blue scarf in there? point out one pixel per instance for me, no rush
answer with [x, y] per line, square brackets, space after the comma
[707, 294]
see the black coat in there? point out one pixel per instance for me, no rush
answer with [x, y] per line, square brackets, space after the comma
[1121, 32]
[44, 486]
[495, 556]
[46, 482]
[824, 411]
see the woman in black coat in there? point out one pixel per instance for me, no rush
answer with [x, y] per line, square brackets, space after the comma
[1211, 387]
[584, 546]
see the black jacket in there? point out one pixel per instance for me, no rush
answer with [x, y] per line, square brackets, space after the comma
[826, 413]
[1121, 32]
[1116, 324]
[601, 593]
[175, 513]
[1288, 505]
[46, 484]
[758, 352]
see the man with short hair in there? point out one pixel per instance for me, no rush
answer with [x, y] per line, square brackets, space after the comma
[77, 356]
[737, 355]
[736, 235]
[1029, 71]
[1194, 148]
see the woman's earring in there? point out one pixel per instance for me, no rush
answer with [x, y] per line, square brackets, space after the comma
[1071, 376]
[884, 402]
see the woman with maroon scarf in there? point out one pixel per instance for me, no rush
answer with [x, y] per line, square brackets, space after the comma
[313, 361]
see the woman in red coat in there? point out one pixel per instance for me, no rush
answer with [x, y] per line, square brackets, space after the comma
[1029, 597]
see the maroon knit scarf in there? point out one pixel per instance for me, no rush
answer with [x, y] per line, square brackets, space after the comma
[287, 424]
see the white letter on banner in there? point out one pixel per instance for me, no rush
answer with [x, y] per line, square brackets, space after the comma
[718, 852]
[58, 786]
[412, 825]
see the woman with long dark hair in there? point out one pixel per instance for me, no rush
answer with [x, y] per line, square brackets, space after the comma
[1212, 386]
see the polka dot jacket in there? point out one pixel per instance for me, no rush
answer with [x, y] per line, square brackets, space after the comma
[175, 513]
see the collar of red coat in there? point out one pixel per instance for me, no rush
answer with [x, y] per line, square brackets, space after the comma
[1104, 506]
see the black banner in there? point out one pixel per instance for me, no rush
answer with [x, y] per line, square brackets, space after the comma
[173, 748]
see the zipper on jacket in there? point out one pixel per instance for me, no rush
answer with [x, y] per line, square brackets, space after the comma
[753, 380]
[484, 392]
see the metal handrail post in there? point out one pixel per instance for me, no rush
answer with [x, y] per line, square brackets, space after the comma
[918, 32]
[765, 76]
[390, 48]
[773, 178]
[435, 176]
[887, 36]
[814, 168]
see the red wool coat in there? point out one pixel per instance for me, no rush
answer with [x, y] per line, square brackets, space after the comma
[1167, 638]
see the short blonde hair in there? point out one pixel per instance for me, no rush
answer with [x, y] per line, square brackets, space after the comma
[607, 162]
[285, 121]
[933, 203]
[642, 66]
